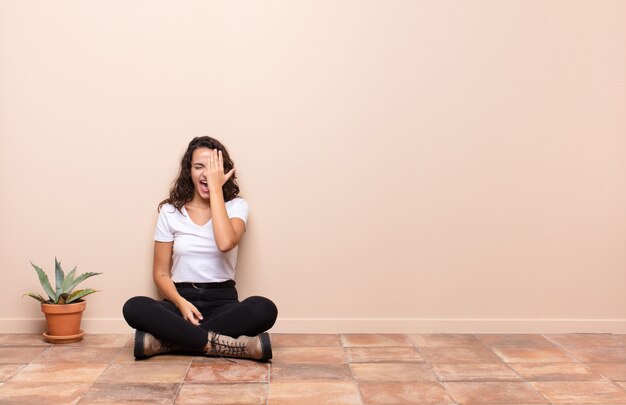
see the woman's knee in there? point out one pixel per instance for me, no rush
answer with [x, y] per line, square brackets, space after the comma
[265, 306]
[135, 307]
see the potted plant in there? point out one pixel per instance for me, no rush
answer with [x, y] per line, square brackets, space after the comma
[64, 307]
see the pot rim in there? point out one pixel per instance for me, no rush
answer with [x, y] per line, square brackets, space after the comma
[63, 308]
[80, 301]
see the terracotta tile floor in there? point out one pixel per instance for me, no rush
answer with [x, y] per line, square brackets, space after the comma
[325, 369]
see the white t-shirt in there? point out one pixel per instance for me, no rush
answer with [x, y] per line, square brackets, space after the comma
[196, 258]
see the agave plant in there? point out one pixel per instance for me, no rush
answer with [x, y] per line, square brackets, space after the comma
[64, 292]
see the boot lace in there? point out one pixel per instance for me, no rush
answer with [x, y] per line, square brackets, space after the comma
[165, 347]
[236, 349]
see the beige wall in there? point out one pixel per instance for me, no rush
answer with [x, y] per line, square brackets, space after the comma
[410, 165]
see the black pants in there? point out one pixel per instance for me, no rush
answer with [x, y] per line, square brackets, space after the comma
[220, 308]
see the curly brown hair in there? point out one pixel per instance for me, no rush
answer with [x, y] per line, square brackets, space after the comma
[183, 189]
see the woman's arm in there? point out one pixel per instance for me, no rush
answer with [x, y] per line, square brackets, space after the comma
[161, 273]
[228, 232]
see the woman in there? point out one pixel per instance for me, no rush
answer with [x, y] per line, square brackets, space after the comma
[195, 252]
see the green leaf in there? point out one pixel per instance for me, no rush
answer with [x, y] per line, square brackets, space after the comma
[81, 278]
[59, 276]
[69, 279]
[45, 283]
[37, 297]
[79, 294]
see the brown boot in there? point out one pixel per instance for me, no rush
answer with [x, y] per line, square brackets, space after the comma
[246, 347]
[147, 345]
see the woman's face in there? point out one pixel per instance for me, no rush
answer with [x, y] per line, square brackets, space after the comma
[199, 161]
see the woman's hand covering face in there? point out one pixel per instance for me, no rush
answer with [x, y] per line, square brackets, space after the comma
[214, 171]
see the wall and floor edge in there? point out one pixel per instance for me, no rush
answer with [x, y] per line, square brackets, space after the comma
[360, 325]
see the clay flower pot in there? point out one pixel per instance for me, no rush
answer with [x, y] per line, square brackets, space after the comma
[63, 322]
[64, 306]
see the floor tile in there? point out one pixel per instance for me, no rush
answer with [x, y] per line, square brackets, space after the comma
[229, 372]
[556, 371]
[131, 341]
[304, 340]
[387, 372]
[61, 373]
[612, 371]
[375, 340]
[517, 354]
[126, 356]
[23, 339]
[443, 340]
[143, 373]
[309, 392]
[612, 354]
[223, 394]
[581, 392]
[473, 354]
[33, 393]
[404, 393]
[475, 372]
[65, 354]
[102, 340]
[382, 354]
[494, 393]
[127, 393]
[586, 339]
[19, 354]
[325, 368]
[9, 370]
[211, 359]
[524, 339]
[323, 355]
[318, 372]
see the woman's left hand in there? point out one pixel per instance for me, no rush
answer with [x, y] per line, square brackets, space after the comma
[214, 171]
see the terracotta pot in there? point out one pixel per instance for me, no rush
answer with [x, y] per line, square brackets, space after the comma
[63, 322]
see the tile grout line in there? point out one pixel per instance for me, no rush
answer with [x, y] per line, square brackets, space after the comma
[587, 363]
[269, 382]
[576, 360]
[524, 380]
[425, 361]
[412, 345]
[347, 360]
[180, 385]
[490, 348]
[443, 383]
[354, 379]
[27, 364]
[22, 367]
[607, 379]
[102, 372]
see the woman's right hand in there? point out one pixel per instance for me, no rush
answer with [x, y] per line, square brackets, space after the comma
[189, 311]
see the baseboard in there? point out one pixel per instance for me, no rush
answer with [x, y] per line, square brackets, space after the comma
[442, 325]
[368, 325]
[89, 325]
